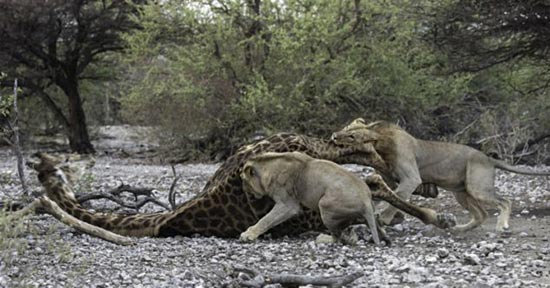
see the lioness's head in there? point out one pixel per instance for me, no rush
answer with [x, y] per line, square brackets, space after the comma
[356, 133]
[268, 171]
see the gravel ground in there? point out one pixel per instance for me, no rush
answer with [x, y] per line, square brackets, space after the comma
[45, 253]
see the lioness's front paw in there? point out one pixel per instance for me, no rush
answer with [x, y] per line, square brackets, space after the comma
[445, 220]
[248, 236]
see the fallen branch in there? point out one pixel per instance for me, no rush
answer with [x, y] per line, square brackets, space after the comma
[114, 194]
[53, 209]
[50, 207]
[259, 280]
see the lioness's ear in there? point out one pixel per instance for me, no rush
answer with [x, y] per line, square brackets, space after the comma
[277, 172]
[266, 180]
[288, 167]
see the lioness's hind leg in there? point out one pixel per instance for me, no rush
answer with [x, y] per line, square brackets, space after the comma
[368, 214]
[477, 212]
[505, 206]
[335, 218]
[480, 184]
[332, 220]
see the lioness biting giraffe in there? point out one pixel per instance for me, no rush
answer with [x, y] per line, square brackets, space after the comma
[465, 171]
[293, 179]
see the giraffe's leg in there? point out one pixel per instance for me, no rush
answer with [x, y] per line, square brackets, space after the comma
[428, 216]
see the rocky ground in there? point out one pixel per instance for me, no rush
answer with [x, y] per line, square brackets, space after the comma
[41, 252]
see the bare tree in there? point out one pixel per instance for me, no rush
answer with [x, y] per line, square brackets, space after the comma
[48, 43]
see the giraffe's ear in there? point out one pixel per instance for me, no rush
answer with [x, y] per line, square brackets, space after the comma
[359, 121]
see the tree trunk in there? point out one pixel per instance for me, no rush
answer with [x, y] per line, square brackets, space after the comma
[79, 141]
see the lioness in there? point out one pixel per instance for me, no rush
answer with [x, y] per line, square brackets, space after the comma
[294, 178]
[465, 171]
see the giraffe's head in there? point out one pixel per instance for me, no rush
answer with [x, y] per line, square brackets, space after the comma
[44, 164]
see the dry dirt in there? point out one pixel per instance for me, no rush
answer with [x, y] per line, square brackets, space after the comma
[48, 254]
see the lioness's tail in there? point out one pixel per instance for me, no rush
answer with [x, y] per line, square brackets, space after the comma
[369, 216]
[505, 166]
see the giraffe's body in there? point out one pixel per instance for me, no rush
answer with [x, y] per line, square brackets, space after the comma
[222, 209]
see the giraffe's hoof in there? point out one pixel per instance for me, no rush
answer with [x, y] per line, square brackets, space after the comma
[446, 220]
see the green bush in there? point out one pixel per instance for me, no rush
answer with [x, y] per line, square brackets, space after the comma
[221, 74]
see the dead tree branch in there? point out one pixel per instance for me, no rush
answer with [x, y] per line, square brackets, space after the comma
[259, 280]
[50, 207]
[16, 142]
[172, 194]
[142, 197]
[114, 195]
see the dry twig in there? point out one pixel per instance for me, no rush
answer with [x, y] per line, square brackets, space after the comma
[114, 195]
[259, 280]
[172, 194]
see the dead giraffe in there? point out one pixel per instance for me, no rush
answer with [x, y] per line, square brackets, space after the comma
[222, 209]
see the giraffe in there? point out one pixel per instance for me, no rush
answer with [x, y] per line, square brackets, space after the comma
[222, 208]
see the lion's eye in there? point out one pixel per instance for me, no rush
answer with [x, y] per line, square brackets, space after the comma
[350, 136]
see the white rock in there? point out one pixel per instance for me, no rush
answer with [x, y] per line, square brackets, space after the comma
[324, 239]
[471, 259]
[431, 259]
[442, 253]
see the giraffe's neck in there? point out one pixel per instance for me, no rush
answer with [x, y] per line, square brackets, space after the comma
[327, 150]
[323, 149]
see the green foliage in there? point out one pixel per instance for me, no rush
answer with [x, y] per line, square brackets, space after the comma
[220, 71]
[17, 237]
[10, 243]
[5, 100]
